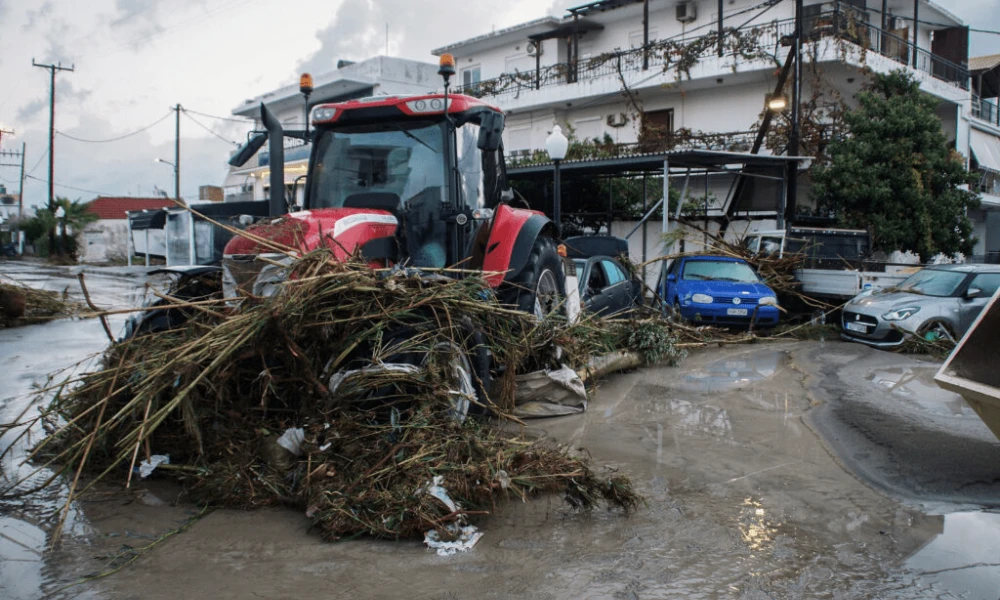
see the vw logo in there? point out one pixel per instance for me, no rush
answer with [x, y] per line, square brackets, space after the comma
[736, 301]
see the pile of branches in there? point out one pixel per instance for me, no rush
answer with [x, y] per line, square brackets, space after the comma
[22, 305]
[218, 392]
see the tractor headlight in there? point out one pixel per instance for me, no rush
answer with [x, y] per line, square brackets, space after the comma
[427, 105]
[702, 299]
[768, 301]
[901, 313]
[324, 113]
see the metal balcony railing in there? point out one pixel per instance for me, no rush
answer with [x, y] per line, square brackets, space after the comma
[843, 23]
[985, 110]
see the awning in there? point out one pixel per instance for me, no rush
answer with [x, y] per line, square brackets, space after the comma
[986, 147]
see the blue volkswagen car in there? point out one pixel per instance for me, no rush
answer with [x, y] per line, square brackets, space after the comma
[718, 290]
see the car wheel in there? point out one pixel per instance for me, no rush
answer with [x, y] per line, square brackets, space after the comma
[932, 331]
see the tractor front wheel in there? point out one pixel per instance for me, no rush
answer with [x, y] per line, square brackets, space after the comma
[540, 287]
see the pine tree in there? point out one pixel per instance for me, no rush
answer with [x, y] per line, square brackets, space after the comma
[895, 174]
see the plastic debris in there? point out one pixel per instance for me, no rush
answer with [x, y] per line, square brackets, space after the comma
[550, 393]
[435, 489]
[146, 467]
[292, 440]
[464, 539]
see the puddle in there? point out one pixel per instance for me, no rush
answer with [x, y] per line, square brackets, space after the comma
[729, 373]
[965, 558]
[30, 354]
[915, 385]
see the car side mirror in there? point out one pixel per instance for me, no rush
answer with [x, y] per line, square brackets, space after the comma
[972, 293]
[671, 277]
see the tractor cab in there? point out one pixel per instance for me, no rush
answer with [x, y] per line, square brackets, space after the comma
[438, 172]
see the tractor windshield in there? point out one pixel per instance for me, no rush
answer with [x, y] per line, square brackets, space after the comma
[389, 161]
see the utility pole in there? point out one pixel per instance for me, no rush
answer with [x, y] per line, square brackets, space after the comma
[177, 153]
[52, 136]
[795, 133]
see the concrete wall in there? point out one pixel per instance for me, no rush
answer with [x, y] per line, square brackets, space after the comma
[104, 240]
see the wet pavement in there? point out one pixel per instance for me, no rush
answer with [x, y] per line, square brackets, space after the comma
[778, 470]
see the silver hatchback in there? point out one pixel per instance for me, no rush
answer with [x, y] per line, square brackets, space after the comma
[938, 301]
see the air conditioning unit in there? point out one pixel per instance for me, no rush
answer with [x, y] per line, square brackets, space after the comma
[534, 48]
[687, 12]
[618, 120]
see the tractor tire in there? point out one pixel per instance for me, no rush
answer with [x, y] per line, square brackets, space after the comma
[540, 287]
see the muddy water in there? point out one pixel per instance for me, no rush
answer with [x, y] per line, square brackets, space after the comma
[745, 500]
[28, 356]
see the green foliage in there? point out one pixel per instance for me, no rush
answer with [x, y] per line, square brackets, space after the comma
[895, 173]
[36, 229]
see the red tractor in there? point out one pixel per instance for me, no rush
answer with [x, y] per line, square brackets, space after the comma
[416, 181]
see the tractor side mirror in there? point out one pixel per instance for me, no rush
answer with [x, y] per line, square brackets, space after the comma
[490, 131]
[972, 293]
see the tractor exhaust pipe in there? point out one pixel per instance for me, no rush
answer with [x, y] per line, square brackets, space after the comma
[276, 161]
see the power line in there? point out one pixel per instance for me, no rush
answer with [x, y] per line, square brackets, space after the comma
[70, 187]
[115, 139]
[40, 159]
[208, 129]
[245, 121]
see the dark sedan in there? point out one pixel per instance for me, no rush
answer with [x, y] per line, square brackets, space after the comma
[606, 286]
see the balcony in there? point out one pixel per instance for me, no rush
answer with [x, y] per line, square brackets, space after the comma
[986, 110]
[761, 41]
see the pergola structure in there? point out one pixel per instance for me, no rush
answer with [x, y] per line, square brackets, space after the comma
[683, 164]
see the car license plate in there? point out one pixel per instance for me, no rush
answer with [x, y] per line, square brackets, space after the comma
[859, 327]
[736, 312]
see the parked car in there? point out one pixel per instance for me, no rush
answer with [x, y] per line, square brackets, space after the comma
[938, 301]
[606, 287]
[718, 290]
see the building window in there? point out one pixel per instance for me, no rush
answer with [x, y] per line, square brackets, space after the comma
[588, 129]
[470, 77]
[518, 140]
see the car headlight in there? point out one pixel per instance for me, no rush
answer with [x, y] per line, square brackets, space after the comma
[702, 299]
[901, 313]
[768, 301]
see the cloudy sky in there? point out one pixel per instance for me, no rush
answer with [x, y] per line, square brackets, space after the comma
[135, 59]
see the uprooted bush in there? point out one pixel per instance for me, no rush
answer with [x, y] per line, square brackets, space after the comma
[216, 393]
[22, 305]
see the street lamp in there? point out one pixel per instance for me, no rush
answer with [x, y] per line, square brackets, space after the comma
[777, 103]
[60, 214]
[557, 145]
[177, 191]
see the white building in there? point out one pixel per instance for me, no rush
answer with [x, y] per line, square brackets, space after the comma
[375, 76]
[651, 72]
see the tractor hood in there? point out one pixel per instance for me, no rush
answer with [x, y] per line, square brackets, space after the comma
[342, 230]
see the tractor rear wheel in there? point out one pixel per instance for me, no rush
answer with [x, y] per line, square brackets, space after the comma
[540, 287]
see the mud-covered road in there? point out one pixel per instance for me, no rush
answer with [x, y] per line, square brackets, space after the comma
[778, 470]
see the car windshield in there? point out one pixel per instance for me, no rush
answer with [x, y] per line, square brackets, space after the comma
[719, 270]
[933, 282]
[389, 159]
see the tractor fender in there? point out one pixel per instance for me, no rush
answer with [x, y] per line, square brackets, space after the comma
[512, 236]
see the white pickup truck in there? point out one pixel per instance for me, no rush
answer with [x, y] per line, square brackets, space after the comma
[836, 265]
